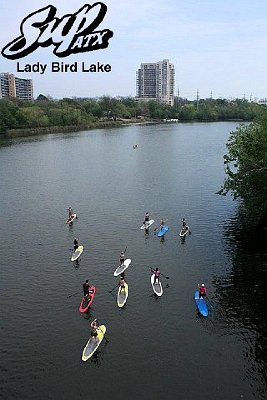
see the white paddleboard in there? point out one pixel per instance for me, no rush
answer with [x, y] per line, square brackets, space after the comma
[71, 219]
[147, 224]
[77, 253]
[157, 287]
[122, 267]
[184, 231]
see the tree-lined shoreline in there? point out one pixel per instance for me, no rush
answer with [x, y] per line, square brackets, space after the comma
[46, 115]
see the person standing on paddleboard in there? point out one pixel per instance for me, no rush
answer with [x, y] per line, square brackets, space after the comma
[184, 224]
[70, 210]
[122, 257]
[94, 325]
[146, 219]
[162, 223]
[86, 288]
[156, 273]
[202, 290]
[122, 282]
[75, 245]
[146, 223]
[185, 227]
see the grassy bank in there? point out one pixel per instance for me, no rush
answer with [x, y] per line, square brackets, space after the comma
[11, 133]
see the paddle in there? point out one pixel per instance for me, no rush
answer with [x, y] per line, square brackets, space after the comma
[73, 294]
[157, 228]
[167, 277]
[113, 288]
[210, 302]
[187, 228]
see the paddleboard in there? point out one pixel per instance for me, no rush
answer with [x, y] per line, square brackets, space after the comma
[157, 287]
[147, 224]
[122, 267]
[87, 300]
[93, 344]
[122, 295]
[77, 253]
[71, 219]
[201, 305]
[184, 231]
[162, 231]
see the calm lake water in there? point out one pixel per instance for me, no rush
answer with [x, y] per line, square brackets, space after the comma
[157, 347]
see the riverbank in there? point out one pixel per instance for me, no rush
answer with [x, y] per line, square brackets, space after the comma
[23, 132]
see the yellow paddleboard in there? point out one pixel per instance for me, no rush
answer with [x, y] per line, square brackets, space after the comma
[77, 253]
[93, 343]
[122, 295]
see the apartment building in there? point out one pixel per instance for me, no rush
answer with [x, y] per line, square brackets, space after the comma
[156, 81]
[12, 86]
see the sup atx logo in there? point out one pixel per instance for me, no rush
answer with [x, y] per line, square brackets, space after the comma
[71, 34]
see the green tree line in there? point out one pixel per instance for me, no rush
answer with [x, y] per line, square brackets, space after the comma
[46, 112]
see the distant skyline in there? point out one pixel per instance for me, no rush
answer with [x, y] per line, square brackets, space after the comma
[217, 46]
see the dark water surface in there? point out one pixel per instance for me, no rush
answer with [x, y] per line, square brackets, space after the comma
[158, 347]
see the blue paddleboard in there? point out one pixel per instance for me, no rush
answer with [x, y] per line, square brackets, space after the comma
[163, 231]
[201, 305]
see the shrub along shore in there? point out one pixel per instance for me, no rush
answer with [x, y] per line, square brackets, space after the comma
[20, 132]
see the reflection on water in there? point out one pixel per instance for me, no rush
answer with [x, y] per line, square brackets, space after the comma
[98, 356]
[76, 263]
[241, 296]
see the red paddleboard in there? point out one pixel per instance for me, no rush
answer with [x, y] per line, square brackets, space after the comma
[87, 300]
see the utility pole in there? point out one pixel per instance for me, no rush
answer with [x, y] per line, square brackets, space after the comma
[211, 94]
[178, 96]
[197, 98]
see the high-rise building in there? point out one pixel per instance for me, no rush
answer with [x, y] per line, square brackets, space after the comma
[155, 81]
[11, 86]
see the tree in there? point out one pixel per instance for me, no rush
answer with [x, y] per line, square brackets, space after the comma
[188, 112]
[92, 107]
[207, 112]
[34, 117]
[41, 97]
[11, 116]
[246, 167]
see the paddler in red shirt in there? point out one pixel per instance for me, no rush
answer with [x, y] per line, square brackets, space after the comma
[156, 273]
[202, 290]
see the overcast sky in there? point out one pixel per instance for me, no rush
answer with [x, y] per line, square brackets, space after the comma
[215, 45]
